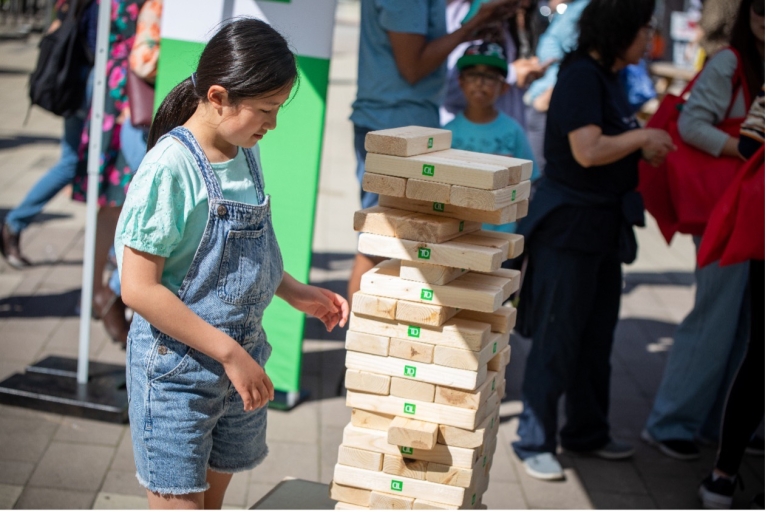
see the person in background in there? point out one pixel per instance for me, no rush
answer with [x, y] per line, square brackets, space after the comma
[579, 232]
[710, 342]
[401, 75]
[715, 25]
[61, 174]
[480, 126]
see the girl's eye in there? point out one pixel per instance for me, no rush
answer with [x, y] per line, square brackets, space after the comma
[266, 111]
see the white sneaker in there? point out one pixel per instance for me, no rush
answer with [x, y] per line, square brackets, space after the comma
[544, 466]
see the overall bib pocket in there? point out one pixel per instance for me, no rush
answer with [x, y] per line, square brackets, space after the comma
[241, 276]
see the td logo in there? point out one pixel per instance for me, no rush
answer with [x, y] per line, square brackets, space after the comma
[397, 485]
[461, 226]
[414, 331]
[425, 253]
[427, 294]
[514, 194]
[429, 143]
[409, 371]
[409, 408]
[438, 207]
[406, 450]
[428, 170]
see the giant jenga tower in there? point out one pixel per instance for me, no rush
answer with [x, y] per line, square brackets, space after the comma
[428, 338]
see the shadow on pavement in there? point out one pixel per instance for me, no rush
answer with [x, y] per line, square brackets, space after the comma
[38, 306]
[23, 140]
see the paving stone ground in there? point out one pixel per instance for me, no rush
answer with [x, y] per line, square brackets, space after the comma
[49, 461]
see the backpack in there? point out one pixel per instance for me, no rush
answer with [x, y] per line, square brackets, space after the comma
[58, 82]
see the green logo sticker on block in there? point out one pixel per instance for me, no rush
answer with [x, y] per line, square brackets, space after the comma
[474, 497]
[461, 226]
[493, 388]
[514, 194]
[397, 485]
[428, 170]
[427, 294]
[493, 420]
[494, 346]
[409, 371]
[425, 253]
[414, 331]
[429, 143]
[438, 207]
[409, 408]
[406, 450]
[485, 459]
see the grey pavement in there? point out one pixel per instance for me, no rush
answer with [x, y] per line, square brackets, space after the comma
[49, 461]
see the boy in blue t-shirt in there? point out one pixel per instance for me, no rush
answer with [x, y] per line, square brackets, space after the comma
[481, 127]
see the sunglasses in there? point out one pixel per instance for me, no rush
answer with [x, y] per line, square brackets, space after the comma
[758, 7]
[475, 77]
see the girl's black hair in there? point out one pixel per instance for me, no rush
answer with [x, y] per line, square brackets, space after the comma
[609, 27]
[247, 57]
[744, 42]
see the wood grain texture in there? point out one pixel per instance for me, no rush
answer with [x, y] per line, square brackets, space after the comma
[413, 389]
[412, 433]
[345, 493]
[385, 501]
[470, 359]
[371, 305]
[367, 382]
[358, 458]
[409, 225]
[411, 350]
[469, 399]
[429, 273]
[424, 314]
[427, 190]
[384, 185]
[371, 420]
[367, 343]
[488, 200]
[502, 320]
[408, 140]
[398, 465]
[501, 216]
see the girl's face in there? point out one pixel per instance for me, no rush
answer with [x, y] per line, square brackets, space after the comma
[246, 123]
[757, 21]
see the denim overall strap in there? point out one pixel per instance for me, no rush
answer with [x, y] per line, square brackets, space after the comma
[184, 136]
[258, 177]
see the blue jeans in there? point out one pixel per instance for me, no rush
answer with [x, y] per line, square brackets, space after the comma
[133, 144]
[367, 199]
[708, 348]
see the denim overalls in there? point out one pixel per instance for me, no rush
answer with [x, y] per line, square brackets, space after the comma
[185, 414]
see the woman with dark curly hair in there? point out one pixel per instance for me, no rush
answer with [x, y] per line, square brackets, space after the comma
[579, 231]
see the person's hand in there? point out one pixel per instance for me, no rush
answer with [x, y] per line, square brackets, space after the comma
[527, 71]
[250, 380]
[657, 144]
[488, 14]
[331, 308]
[541, 103]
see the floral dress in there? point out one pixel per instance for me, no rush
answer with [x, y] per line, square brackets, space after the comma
[114, 172]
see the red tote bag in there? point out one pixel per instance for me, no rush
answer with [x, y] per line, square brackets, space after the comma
[736, 229]
[682, 191]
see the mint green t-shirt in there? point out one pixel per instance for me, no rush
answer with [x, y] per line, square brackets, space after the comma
[166, 209]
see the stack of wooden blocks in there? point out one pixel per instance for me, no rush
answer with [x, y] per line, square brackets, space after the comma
[428, 338]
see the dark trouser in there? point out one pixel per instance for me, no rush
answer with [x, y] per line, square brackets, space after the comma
[575, 303]
[745, 407]
[536, 123]
[367, 199]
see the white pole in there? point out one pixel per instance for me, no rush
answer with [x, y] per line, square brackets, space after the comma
[94, 161]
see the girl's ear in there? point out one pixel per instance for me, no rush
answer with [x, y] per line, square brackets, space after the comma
[217, 96]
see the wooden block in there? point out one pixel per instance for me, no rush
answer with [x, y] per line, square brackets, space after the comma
[527, 168]
[429, 273]
[371, 305]
[347, 494]
[522, 208]
[502, 320]
[407, 388]
[492, 405]
[384, 185]
[449, 475]
[440, 167]
[367, 382]
[516, 242]
[501, 390]
[463, 438]
[469, 399]
[486, 241]
[410, 225]
[424, 314]
[384, 280]
[415, 409]
[431, 373]
[412, 433]
[376, 440]
[450, 254]
[411, 350]
[404, 486]
[408, 141]
[412, 468]
[428, 190]
[501, 360]
[488, 200]
[457, 333]
[420, 504]
[470, 359]
[385, 501]
[372, 420]
[368, 343]
[348, 506]
[507, 286]
[502, 216]
[358, 458]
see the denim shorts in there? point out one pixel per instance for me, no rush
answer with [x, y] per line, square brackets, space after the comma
[186, 416]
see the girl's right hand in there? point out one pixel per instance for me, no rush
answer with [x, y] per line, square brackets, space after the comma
[657, 144]
[250, 380]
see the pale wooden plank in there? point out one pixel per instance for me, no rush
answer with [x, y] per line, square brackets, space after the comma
[429, 273]
[410, 487]
[384, 185]
[347, 494]
[464, 438]
[450, 475]
[501, 360]
[371, 305]
[419, 504]
[385, 501]
[501, 216]
[411, 350]
[411, 225]
[441, 167]
[470, 359]
[412, 433]
[412, 468]
[413, 389]
[469, 399]
[488, 200]
[376, 440]
[507, 286]
[522, 208]
[513, 165]
[516, 242]
[427, 190]
[358, 458]
[450, 254]
[486, 241]
[349, 506]
[371, 420]
[367, 382]
[408, 140]
[502, 320]
[424, 314]
[368, 343]
[415, 409]
[431, 373]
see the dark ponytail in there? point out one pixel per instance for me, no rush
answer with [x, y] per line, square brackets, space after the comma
[247, 57]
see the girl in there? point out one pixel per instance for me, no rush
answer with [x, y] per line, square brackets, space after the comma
[199, 264]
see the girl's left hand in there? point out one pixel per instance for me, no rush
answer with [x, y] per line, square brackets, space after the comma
[331, 308]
